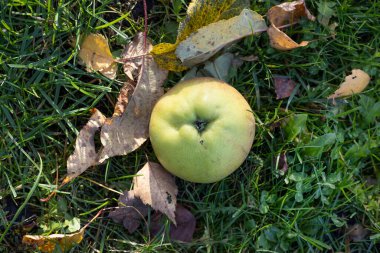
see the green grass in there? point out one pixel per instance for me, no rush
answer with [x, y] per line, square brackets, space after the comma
[45, 97]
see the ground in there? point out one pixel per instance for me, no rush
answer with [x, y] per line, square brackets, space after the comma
[326, 201]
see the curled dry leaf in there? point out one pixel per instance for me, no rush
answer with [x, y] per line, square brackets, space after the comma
[130, 211]
[353, 84]
[156, 187]
[279, 40]
[96, 55]
[84, 155]
[49, 243]
[284, 86]
[284, 14]
[208, 40]
[288, 13]
[199, 13]
[183, 231]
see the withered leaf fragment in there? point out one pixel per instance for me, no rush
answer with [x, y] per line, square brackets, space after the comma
[353, 84]
[84, 155]
[184, 229]
[130, 211]
[156, 187]
[96, 55]
[49, 243]
[284, 86]
[132, 56]
[287, 13]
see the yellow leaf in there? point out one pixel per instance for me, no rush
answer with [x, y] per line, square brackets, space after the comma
[279, 40]
[199, 13]
[96, 55]
[164, 55]
[353, 84]
[49, 243]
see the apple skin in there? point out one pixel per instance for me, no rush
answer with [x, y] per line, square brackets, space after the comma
[202, 130]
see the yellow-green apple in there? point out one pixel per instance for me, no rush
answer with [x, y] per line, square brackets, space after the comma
[202, 130]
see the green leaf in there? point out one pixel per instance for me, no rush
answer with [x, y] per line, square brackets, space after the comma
[325, 12]
[319, 145]
[294, 125]
[369, 109]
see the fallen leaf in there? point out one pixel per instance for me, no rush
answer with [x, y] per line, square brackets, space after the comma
[249, 58]
[199, 13]
[357, 232]
[208, 40]
[286, 14]
[156, 187]
[183, 231]
[130, 211]
[185, 227]
[283, 86]
[279, 40]
[353, 84]
[220, 67]
[132, 56]
[84, 155]
[128, 128]
[50, 242]
[123, 98]
[282, 163]
[124, 134]
[95, 53]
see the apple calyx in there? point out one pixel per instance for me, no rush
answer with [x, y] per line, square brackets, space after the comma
[200, 125]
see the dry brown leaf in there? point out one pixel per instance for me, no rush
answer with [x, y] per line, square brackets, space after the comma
[286, 14]
[353, 84]
[50, 242]
[284, 86]
[84, 155]
[185, 225]
[95, 53]
[156, 187]
[130, 211]
[279, 40]
[249, 58]
[281, 163]
[128, 128]
[124, 134]
[357, 232]
[132, 56]
[123, 98]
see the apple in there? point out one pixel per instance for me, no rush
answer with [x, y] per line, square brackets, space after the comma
[202, 130]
